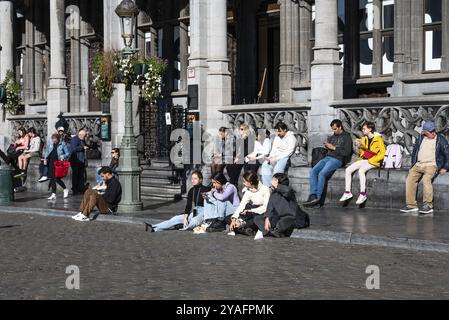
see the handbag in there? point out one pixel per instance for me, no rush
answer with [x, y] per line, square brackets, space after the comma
[368, 154]
[61, 169]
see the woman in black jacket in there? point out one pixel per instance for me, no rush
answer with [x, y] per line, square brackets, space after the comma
[283, 213]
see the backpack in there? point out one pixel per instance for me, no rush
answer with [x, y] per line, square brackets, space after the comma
[393, 156]
[318, 154]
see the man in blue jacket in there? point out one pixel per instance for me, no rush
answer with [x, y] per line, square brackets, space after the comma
[78, 162]
[430, 158]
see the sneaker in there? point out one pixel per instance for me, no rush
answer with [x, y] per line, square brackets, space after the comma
[66, 193]
[77, 216]
[52, 197]
[20, 175]
[259, 235]
[362, 199]
[148, 227]
[42, 179]
[313, 201]
[346, 196]
[82, 218]
[426, 209]
[199, 230]
[232, 234]
[409, 210]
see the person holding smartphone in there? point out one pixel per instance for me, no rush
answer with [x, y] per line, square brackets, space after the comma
[372, 153]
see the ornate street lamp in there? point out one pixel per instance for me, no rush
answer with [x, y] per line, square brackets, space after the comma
[129, 169]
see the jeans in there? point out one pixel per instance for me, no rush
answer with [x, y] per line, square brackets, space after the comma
[98, 176]
[179, 219]
[215, 209]
[268, 171]
[320, 173]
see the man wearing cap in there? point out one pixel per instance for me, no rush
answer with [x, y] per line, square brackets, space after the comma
[430, 157]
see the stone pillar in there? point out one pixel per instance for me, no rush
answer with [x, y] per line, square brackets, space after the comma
[57, 94]
[29, 65]
[218, 77]
[327, 73]
[286, 63]
[75, 55]
[295, 44]
[6, 38]
[445, 34]
[305, 21]
[198, 66]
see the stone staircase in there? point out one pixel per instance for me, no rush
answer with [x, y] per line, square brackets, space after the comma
[157, 182]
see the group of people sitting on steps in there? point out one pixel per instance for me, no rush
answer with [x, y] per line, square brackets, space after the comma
[269, 205]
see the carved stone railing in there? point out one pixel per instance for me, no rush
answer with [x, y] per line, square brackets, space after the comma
[37, 121]
[266, 116]
[399, 120]
[91, 121]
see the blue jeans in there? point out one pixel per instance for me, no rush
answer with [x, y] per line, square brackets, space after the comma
[97, 174]
[268, 171]
[214, 209]
[179, 219]
[320, 173]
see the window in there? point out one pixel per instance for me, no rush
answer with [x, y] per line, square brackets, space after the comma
[376, 23]
[366, 17]
[387, 36]
[432, 35]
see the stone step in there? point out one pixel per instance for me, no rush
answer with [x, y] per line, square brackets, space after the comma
[158, 190]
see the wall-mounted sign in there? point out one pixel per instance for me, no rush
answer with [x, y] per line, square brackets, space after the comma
[191, 73]
[105, 128]
[168, 119]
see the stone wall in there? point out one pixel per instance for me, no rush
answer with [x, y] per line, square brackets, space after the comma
[383, 192]
[33, 176]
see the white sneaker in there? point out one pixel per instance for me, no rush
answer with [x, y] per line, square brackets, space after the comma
[346, 196]
[259, 235]
[77, 216]
[232, 233]
[66, 193]
[52, 197]
[82, 218]
[42, 179]
[362, 199]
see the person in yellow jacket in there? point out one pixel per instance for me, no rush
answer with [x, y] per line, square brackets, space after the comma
[372, 152]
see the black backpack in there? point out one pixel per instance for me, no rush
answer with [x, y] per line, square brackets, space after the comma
[318, 154]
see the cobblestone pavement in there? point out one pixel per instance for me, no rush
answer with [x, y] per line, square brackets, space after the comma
[121, 261]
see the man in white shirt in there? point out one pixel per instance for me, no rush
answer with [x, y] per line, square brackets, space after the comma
[284, 146]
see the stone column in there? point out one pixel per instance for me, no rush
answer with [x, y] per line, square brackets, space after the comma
[286, 63]
[57, 94]
[198, 67]
[75, 55]
[218, 77]
[327, 73]
[183, 54]
[305, 21]
[295, 44]
[445, 35]
[6, 38]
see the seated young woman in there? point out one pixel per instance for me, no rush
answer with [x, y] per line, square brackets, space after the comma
[194, 211]
[220, 202]
[283, 213]
[254, 203]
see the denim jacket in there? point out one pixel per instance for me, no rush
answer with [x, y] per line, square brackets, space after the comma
[63, 150]
[442, 152]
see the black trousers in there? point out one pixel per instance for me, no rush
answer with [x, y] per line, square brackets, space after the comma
[283, 226]
[53, 183]
[78, 176]
[234, 171]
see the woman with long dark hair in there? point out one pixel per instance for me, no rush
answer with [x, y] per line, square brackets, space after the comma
[254, 203]
[283, 213]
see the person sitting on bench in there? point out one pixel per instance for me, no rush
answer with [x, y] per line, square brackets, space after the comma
[106, 203]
